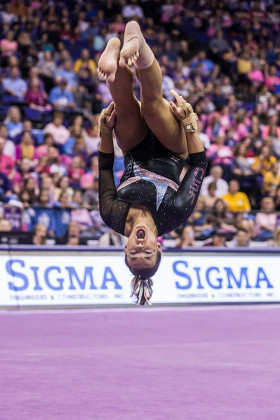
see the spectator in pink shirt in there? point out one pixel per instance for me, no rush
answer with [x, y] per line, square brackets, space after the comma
[256, 75]
[76, 171]
[57, 129]
[271, 129]
[272, 79]
[8, 45]
[220, 154]
[44, 148]
[81, 214]
[7, 164]
[266, 219]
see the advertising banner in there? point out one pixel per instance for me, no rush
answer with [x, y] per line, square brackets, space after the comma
[55, 280]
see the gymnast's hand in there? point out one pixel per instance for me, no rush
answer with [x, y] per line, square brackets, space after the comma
[182, 108]
[107, 121]
[109, 116]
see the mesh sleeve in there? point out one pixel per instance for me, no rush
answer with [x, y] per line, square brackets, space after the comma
[185, 199]
[107, 189]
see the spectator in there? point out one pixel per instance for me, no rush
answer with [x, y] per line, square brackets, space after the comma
[48, 142]
[271, 181]
[266, 220]
[186, 238]
[63, 186]
[112, 238]
[7, 164]
[72, 236]
[9, 148]
[218, 44]
[26, 149]
[46, 67]
[76, 171]
[218, 239]
[256, 76]
[272, 78]
[65, 72]
[40, 235]
[35, 97]
[220, 154]
[80, 214]
[61, 97]
[5, 225]
[14, 85]
[25, 126]
[30, 184]
[88, 178]
[44, 199]
[5, 186]
[215, 175]
[13, 122]
[245, 221]
[92, 139]
[241, 239]
[132, 10]
[59, 132]
[8, 45]
[264, 162]
[86, 62]
[64, 201]
[275, 242]
[211, 196]
[90, 196]
[76, 133]
[205, 63]
[219, 217]
[235, 199]
[198, 218]
[213, 126]
[242, 171]
[277, 198]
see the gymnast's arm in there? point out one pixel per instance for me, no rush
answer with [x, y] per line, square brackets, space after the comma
[107, 188]
[185, 199]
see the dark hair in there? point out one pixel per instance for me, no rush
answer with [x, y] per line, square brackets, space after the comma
[143, 275]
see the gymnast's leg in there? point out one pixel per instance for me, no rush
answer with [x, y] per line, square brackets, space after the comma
[156, 110]
[130, 127]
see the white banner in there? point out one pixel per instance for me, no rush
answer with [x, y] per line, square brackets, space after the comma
[47, 280]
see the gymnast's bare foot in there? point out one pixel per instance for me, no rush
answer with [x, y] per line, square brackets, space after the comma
[135, 49]
[108, 62]
[129, 52]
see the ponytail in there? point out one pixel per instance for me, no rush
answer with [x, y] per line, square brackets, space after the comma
[141, 285]
[142, 289]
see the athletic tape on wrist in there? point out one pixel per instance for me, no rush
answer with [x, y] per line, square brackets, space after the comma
[102, 128]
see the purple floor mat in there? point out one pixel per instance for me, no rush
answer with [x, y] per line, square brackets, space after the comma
[191, 363]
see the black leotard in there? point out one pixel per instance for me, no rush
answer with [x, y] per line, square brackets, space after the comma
[151, 179]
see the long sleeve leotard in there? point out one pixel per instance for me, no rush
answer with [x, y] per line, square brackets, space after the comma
[171, 203]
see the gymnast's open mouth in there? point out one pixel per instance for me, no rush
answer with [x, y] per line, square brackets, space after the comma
[140, 233]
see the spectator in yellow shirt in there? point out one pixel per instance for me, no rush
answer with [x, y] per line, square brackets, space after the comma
[271, 181]
[85, 61]
[244, 65]
[264, 162]
[235, 199]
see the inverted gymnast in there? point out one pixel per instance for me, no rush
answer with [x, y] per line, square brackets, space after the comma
[155, 136]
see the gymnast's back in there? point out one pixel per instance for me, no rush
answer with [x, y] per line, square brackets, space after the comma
[152, 179]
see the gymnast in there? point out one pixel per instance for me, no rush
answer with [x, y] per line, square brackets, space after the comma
[155, 136]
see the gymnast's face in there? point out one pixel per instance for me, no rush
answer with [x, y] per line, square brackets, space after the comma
[142, 248]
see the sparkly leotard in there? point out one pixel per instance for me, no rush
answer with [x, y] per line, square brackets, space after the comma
[151, 179]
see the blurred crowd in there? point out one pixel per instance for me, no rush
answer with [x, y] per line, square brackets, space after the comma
[223, 56]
